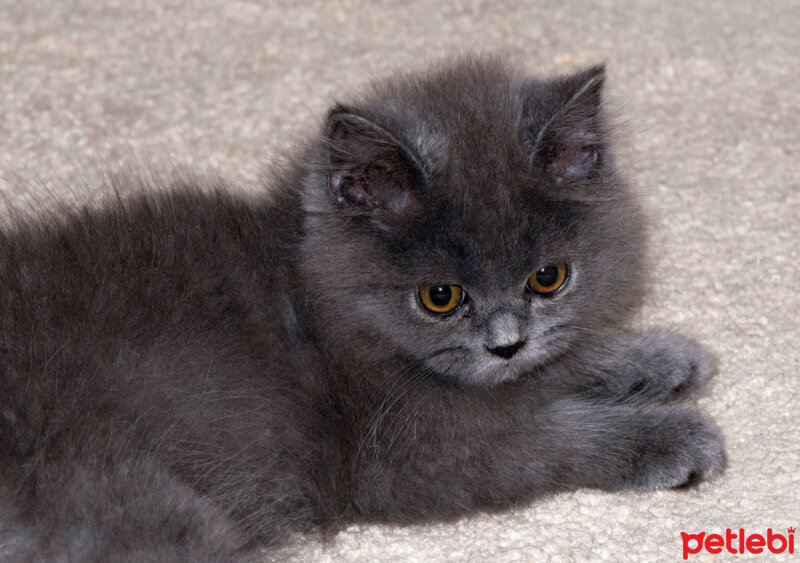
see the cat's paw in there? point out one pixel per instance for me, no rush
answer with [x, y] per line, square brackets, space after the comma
[653, 366]
[678, 366]
[680, 449]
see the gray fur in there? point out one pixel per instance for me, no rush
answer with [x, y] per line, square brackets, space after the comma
[188, 374]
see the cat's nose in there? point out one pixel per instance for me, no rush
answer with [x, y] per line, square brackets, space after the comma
[506, 352]
[504, 339]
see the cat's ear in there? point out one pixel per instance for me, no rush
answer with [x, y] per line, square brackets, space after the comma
[569, 146]
[369, 170]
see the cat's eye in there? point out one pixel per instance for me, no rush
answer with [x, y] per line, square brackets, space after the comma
[548, 279]
[440, 298]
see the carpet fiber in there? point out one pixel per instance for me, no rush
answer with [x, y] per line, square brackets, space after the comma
[708, 96]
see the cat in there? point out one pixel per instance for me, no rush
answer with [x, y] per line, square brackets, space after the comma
[420, 318]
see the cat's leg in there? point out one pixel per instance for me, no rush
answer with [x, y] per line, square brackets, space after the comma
[650, 366]
[618, 446]
[108, 510]
[459, 463]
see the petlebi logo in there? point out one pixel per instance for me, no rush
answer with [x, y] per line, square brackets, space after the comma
[739, 542]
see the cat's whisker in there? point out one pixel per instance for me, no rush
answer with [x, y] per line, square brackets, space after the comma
[382, 409]
[402, 392]
[385, 409]
[419, 404]
[444, 351]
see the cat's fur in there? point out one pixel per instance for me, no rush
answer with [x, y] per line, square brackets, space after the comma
[190, 373]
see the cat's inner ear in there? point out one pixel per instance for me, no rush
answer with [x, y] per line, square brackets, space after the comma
[369, 169]
[569, 146]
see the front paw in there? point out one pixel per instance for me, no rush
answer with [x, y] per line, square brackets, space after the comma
[653, 366]
[680, 367]
[677, 447]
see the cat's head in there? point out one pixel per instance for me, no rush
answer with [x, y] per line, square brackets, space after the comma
[470, 220]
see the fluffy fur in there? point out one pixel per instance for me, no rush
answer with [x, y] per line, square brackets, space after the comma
[187, 374]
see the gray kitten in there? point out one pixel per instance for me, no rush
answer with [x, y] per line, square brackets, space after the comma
[419, 320]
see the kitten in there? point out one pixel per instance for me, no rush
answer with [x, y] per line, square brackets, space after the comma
[419, 320]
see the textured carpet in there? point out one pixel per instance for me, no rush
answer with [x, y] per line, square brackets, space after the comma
[709, 98]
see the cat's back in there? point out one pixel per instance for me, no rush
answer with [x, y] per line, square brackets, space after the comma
[159, 258]
[145, 303]
[155, 253]
[145, 345]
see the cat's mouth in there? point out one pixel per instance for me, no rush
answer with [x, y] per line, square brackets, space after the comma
[484, 368]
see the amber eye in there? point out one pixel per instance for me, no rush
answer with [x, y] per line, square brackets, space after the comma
[548, 279]
[441, 298]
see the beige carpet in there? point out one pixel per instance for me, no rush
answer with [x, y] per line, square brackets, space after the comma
[709, 96]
